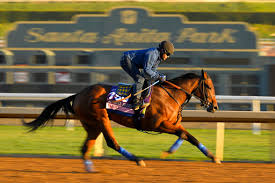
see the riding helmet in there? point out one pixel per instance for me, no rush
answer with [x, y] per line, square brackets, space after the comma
[167, 46]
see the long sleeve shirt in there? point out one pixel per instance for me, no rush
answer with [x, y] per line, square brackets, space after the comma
[147, 59]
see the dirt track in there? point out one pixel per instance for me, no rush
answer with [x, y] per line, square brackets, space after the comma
[42, 170]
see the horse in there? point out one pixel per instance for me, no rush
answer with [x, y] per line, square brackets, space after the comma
[163, 115]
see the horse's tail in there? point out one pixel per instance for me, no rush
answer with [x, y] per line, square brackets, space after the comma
[50, 112]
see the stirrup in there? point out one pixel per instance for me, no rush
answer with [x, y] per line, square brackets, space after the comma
[137, 105]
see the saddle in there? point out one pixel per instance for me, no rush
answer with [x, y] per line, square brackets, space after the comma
[119, 102]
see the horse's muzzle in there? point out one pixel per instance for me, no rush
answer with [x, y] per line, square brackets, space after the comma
[212, 108]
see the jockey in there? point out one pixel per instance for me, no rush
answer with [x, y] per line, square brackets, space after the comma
[141, 65]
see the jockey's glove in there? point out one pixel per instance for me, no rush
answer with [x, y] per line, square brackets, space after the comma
[162, 78]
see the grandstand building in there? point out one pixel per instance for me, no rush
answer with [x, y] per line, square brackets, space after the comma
[66, 56]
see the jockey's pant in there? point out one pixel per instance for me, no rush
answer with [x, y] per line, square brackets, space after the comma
[135, 73]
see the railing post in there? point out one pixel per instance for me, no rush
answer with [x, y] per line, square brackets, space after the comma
[220, 141]
[272, 139]
[70, 124]
[256, 107]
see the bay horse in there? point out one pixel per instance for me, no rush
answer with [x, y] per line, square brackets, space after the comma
[162, 115]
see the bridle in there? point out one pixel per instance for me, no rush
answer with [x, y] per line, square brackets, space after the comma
[202, 88]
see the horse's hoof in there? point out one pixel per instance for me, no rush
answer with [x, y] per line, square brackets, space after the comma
[141, 163]
[216, 160]
[164, 154]
[89, 166]
[90, 170]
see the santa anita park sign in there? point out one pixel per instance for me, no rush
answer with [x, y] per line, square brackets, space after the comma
[131, 28]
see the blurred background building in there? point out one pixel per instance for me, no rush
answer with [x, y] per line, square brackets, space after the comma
[64, 56]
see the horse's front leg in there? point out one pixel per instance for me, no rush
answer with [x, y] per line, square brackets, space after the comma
[169, 127]
[200, 146]
[180, 131]
[172, 149]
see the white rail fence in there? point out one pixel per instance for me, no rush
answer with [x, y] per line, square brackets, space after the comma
[256, 116]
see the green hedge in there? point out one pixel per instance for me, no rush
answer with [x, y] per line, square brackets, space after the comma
[260, 23]
[253, 18]
[161, 7]
[262, 15]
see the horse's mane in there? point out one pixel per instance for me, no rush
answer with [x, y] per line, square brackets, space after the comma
[184, 77]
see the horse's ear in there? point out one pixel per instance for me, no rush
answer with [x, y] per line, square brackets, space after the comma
[203, 74]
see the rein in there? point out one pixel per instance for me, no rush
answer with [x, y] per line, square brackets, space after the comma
[189, 95]
[124, 98]
[177, 87]
[185, 102]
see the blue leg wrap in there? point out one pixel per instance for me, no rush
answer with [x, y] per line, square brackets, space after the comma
[176, 145]
[203, 149]
[88, 165]
[125, 153]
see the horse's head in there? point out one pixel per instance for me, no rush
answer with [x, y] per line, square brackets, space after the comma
[205, 91]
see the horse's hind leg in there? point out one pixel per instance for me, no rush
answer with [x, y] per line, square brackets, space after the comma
[92, 133]
[111, 141]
